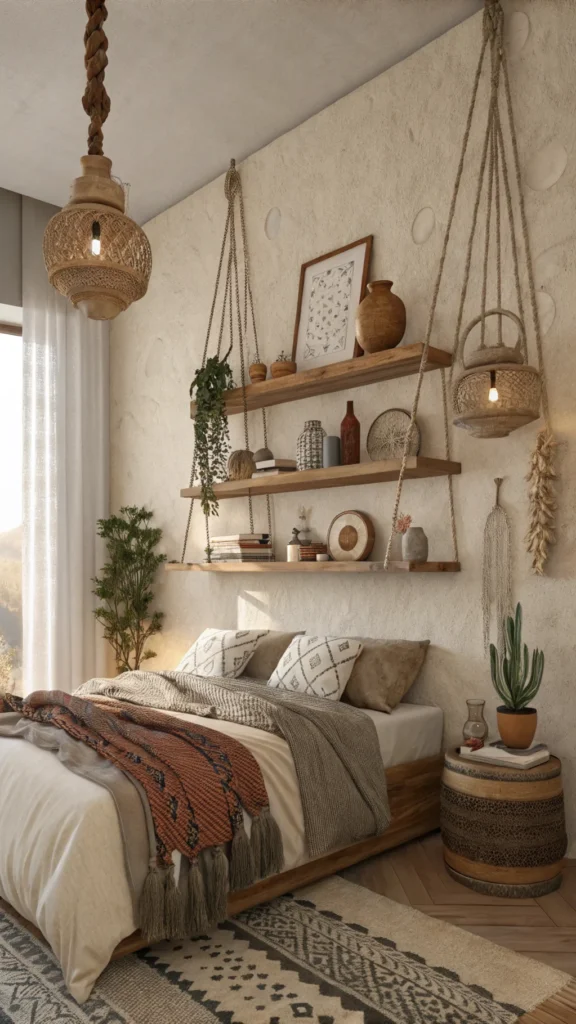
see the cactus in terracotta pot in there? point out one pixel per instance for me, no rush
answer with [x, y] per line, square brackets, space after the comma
[283, 365]
[516, 682]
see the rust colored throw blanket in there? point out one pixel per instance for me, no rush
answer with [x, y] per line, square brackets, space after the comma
[197, 782]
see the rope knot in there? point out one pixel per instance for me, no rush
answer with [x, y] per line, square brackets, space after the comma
[232, 182]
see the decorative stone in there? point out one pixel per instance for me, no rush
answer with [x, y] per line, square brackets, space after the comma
[547, 166]
[546, 311]
[423, 226]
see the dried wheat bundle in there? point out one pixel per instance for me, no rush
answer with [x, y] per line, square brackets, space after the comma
[542, 500]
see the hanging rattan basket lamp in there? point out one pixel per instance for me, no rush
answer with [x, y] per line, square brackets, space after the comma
[94, 254]
[498, 392]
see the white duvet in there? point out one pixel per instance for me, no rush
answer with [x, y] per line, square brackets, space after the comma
[61, 854]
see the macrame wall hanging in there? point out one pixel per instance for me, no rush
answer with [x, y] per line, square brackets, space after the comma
[498, 391]
[233, 305]
[496, 570]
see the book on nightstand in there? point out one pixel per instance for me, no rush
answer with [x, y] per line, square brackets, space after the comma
[504, 757]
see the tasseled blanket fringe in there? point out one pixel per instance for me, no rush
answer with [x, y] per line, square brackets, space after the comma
[199, 901]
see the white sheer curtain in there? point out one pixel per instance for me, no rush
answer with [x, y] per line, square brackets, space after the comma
[65, 474]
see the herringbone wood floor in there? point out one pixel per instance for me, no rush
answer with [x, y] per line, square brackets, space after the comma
[544, 929]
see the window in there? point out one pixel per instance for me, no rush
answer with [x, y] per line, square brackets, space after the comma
[10, 499]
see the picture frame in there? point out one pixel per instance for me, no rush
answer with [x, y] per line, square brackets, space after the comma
[330, 289]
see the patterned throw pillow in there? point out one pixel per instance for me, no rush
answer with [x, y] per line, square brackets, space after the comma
[221, 652]
[316, 665]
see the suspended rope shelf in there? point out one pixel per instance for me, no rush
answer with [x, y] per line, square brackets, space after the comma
[417, 468]
[323, 380]
[318, 567]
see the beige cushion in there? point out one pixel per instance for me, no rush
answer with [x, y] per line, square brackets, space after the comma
[268, 654]
[384, 672]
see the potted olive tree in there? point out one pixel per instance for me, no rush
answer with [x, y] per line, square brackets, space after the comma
[516, 682]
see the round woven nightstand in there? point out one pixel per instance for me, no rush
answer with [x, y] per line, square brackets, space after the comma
[503, 829]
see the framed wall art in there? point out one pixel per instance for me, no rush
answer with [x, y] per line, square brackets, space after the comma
[331, 287]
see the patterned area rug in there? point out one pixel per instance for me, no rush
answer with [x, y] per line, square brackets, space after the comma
[332, 954]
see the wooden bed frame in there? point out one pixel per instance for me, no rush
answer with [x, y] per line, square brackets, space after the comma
[414, 795]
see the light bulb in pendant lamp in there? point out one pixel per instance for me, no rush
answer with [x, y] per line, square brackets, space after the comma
[493, 395]
[94, 254]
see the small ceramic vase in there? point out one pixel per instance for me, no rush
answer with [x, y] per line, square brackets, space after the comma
[414, 545]
[350, 437]
[380, 318]
[475, 727]
[310, 445]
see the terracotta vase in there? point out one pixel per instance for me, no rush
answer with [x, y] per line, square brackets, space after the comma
[283, 368]
[349, 437]
[257, 372]
[517, 728]
[380, 318]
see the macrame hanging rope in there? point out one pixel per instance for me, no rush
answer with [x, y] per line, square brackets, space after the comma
[496, 570]
[96, 101]
[493, 178]
[236, 316]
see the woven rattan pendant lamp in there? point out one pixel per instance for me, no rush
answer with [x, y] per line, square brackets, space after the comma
[94, 254]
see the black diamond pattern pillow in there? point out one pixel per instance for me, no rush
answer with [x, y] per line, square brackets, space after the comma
[221, 652]
[317, 665]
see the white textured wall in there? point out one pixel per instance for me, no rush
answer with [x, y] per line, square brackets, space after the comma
[369, 164]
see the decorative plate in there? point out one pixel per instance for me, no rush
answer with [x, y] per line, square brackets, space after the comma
[350, 537]
[387, 434]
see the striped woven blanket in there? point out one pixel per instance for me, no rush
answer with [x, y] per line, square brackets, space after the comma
[196, 781]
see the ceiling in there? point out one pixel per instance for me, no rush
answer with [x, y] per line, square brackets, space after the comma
[192, 82]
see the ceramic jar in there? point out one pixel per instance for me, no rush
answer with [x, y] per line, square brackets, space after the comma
[310, 445]
[414, 545]
[350, 437]
[380, 318]
[331, 452]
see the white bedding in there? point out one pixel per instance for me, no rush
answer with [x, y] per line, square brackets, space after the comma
[61, 856]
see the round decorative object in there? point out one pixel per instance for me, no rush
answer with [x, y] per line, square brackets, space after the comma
[263, 455]
[500, 369]
[310, 444]
[387, 435]
[241, 465]
[380, 318]
[503, 828]
[350, 537]
[100, 285]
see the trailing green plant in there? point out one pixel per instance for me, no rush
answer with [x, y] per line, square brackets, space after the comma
[516, 681]
[212, 437]
[125, 585]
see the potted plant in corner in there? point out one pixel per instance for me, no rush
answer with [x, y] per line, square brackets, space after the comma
[515, 686]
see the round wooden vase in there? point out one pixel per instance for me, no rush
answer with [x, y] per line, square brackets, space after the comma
[503, 828]
[380, 318]
[283, 368]
[517, 728]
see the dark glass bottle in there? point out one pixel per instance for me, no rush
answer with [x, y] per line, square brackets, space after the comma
[350, 437]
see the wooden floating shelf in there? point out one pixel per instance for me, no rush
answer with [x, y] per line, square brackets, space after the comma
[417, 467]
[351, 373]
[319, 567]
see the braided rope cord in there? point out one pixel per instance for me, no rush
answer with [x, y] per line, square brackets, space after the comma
[234, 318]
[96, 101]
[493, 173]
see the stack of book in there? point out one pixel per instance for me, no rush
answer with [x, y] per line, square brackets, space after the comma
[273, 467]
[242, 547]
[498, 754]
[308, 552]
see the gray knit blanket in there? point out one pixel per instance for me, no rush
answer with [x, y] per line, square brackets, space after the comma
[334, 746]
